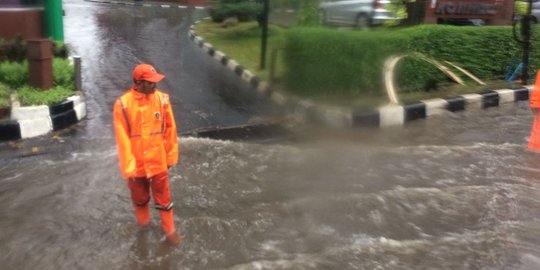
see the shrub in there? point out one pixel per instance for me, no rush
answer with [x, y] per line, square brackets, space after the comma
[63, 73]
[60, 49]
[309, 14]
[322, 61]
[244, 10]
[31, 96]
[15, 50]
[14, 74]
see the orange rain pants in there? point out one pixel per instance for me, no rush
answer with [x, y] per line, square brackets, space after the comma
[534, 99]
[140, 195]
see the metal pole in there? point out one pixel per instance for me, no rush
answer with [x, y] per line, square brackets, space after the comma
[526, 44]
[264, 37]
[78, 74]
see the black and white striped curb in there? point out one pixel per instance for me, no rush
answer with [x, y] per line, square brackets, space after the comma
[32, 121]
[142, 4]
[391, 115]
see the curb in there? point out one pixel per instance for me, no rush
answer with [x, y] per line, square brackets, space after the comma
[304, 110]
[126, 3]
[33, 121]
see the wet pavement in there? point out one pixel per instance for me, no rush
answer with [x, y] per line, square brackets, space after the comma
[458, 191]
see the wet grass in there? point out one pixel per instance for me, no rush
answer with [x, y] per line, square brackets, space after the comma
[242, 43]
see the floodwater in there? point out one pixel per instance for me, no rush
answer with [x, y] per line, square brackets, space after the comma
[458, 191]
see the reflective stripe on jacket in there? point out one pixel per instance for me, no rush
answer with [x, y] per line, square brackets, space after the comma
[145, 133]
[534, 99]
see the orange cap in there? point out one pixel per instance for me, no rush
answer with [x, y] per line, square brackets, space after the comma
[145, 72]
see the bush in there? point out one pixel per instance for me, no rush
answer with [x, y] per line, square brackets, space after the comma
[328, 62]
[244, 10]
[415, 75]
[31, 96]
[60, 50]
[309, 14]
[14, 74]
[15, 50]
[322, 61]
[63, 73]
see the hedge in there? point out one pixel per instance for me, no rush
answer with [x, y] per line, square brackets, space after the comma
[321, 61]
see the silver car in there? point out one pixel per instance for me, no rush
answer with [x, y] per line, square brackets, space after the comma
[359, 13]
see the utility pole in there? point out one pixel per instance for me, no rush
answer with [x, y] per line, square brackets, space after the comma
[264, 36]
[526, 43]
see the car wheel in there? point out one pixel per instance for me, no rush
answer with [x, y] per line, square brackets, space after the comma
[362, 22]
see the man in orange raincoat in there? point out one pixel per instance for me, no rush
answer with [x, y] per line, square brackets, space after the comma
[147, 142]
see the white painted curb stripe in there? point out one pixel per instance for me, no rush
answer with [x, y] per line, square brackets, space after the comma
[435, 106]
[247, 75]
[232, 64]
[336, 117]
[473, 101]
[219, 55]
[35, 127]
[80, 111]
[206, 46]
[278, 98]
[506, 96]
[391, 115]
[30, 112]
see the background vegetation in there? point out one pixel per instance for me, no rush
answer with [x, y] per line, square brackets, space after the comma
[14, 75]
[321, 61]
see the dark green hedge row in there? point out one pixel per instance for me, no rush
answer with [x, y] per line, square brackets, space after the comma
[325, 61]
[244, 10]
[15, 49]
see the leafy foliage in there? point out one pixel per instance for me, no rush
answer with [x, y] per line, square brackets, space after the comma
[15, 49]
[325, 62]
[244, 10]
[31, 96]
[63, 73]
[14, 74]
[309, 13]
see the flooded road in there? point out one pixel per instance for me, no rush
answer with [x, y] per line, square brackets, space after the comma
[112, 39]
[457, 191]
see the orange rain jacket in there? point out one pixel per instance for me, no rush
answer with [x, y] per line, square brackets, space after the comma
[145, 133]
[534, 101]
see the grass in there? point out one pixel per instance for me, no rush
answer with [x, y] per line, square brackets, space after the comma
[242, 43]
[31, 96]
